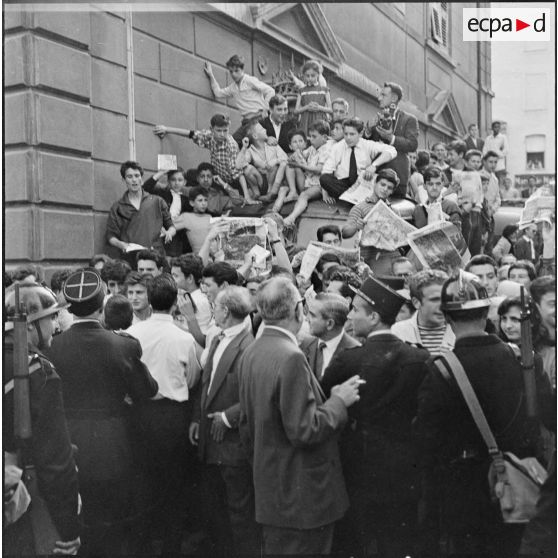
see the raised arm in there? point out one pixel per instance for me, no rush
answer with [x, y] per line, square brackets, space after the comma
[218, 91]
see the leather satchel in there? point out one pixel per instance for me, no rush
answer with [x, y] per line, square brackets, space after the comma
[515, 483]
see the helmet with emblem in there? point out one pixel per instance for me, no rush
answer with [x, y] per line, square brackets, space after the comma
[84, 291]
[463, 292]
[35, 300]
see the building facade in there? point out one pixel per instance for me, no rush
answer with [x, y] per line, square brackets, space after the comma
[83, 90]
[524, 81]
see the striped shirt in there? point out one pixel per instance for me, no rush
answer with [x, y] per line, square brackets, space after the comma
[431, 338]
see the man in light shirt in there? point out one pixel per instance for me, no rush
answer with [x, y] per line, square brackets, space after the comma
[251, 95]
[170, 354]
[498, 143]
[350, 158]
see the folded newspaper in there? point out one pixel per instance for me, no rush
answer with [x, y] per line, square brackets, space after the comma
[538, 208]
[244, 233]
[166, 162]
[384, 229]
[358, 192]
[348, 257]
[440, 246]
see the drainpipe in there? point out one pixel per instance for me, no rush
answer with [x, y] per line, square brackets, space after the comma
[130, 71]
[479, 83]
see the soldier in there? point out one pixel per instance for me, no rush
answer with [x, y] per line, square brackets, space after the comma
[377, 450]
[50, 447]
[99, 368]
[456, 502]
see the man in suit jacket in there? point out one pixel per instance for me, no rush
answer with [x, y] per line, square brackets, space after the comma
[99, 369]
[402, 134]
[327, 314]
[377, 451]
[525, 248]
[276, 124]
[290, 431]
[472, 140]
[226, 475]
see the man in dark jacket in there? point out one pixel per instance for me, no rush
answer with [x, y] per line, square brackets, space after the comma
[400, 130]
[456, 504]
[49, 448]
[276, 124]
[227, 477]
[377, 450]
[99, 368]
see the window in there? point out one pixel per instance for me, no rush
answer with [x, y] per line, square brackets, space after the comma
[439, 23]
[535, 146]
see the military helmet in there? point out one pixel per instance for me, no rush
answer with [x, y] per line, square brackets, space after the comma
[464, 292]
[34, 299]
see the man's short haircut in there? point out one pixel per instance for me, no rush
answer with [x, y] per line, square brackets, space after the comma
[130, 165]
[99, 258]
[489, 154]
[23, 271]
[481, 259]
[346, 276]
[280, 271]
[320, 126]
[495, 122]
[276, 100]
[542, 285]
[118, 312]
[310, 65]
[205, 166]
[395, 88]
[58, 278]
[470, 126]
[235, 61]
[197, 191]
[355, 123]
[297, 132]
[149, 255]
[472, 153]
[431, 172]
[327, 257]
[422, 279]
[401, 260]
[439, 143]
[333, 229]
[333, 307]
[162, 292]
[220, 121]
[172, 172]
[509, 230]
[236, 299]
[137, 278]
[221, 272]
[340, 101]
[116, 270]
[389, 175]
[459, 146]
[189, 264]
[423, 159]
[277, 299]
[526, 265]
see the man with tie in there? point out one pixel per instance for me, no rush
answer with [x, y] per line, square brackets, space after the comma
[350, 158]
[327, 314]
[401, 130]
[472, 140]
[276, 124]
[228, 495]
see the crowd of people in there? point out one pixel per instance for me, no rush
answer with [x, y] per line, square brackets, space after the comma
[180, 405]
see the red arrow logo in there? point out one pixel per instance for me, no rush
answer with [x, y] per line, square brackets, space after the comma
[519, 25]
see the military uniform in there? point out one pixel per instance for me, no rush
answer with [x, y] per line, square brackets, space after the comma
[51, 451]
[99, 368]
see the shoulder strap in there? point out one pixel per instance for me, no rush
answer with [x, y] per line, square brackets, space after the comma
[470, 397]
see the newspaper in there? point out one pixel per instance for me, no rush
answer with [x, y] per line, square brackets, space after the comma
[166, 162]
[244, 233]
[435, 213]
[538, 208]
[440, 246]
[384, 229]
[358, 192]
[347, 257]
[311, 258]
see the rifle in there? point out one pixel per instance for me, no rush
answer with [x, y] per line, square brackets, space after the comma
[527, 356]
[45, 533]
